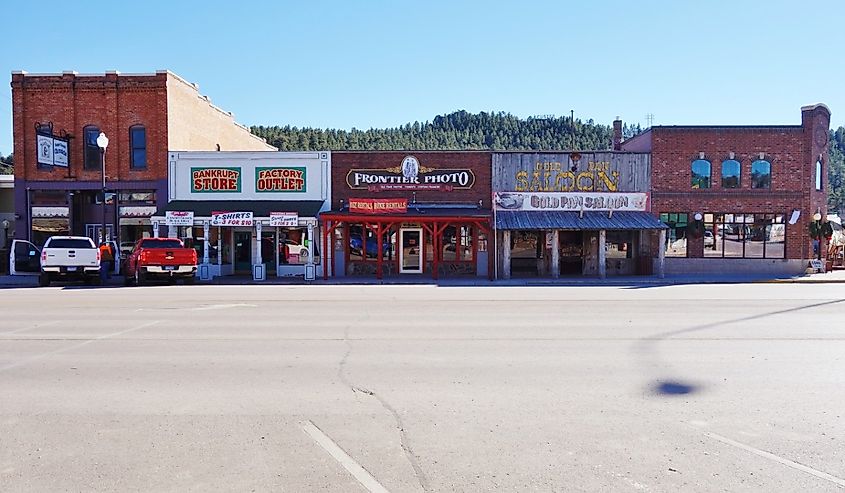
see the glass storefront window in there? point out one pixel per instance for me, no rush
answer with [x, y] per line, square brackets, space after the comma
[619, 244]
[742, 235]
[43, 228]
[676, 236]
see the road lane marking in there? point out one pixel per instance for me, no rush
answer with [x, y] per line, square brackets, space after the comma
[356, 470]
[776, 458]
[75, 346]
[219, 307]
[37, 326]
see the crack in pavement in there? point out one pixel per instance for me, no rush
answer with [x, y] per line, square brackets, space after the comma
[404, 442]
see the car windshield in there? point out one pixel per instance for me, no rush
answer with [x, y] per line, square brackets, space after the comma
[70, 243]
[161, 244]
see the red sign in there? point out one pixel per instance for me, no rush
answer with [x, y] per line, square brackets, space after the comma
[378, 206]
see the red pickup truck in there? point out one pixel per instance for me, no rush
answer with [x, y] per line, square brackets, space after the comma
[160, 258]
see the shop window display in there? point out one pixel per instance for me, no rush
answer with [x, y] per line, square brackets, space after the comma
[739, 235]
[676, 236]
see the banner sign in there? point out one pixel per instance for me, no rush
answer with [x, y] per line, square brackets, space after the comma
[52, 151]
[284, 219]
[410, 176]
[215, 180]
[179, 218]
[279, 179]
[378, 206]
[231, 219]
[571, 201]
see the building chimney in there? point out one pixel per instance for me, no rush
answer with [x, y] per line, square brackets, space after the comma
[617, 134]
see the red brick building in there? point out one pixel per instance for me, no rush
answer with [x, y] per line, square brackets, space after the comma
[58, 173]
[739, 198]
[409, 213]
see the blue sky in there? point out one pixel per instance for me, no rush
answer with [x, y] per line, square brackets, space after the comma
[384, 63]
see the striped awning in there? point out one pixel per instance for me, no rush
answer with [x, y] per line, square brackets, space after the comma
[593, 220]
[50, 211]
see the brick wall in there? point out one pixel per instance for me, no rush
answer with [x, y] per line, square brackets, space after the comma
[478, 161]
[791, 150]
[194, 124]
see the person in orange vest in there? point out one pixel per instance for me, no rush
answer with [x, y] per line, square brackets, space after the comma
[106, 260]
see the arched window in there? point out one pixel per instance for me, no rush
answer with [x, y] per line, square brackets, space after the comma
[701, 173]
[761, 174]
[819, 174]
[731, 171]
[137, 147]
[90, 148]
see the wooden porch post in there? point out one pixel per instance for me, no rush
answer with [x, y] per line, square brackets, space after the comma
[325, 233]
[378, 253]
[602, 254]
[661, 255]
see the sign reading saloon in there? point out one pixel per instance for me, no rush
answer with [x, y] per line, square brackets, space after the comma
[573, 201]
[410, 175]
[215, 180]
[279, 179]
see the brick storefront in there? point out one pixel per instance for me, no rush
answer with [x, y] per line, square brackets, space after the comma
[740, 212]
[162, 111]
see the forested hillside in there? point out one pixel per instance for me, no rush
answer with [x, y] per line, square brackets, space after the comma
[836, 171]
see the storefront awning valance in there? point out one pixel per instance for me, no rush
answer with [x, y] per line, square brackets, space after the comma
[576, 221]
[259, 208]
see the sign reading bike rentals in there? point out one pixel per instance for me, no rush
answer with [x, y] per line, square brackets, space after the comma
[378, 206]
[215, 180]
[410, 175]
[179, 218]
[571, 201]
[284, 219]
[231, 219]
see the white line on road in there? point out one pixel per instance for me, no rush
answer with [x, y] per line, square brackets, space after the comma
[74, 346]
[776, 458]
[36, 326]
[356, 470]
[218, 307]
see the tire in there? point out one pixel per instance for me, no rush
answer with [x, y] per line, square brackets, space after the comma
[139, 278]
[189, 281]
[94, 281]
[128, 281]
[44, 279]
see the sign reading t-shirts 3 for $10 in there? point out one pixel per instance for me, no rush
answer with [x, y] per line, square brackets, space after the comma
[232, 219]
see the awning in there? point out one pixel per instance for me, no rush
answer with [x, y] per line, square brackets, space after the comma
[53, 211]
[259, 208]
[137, 210]
[573, 221]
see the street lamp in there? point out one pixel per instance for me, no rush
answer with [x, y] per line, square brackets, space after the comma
[103, 143]
[817, 217]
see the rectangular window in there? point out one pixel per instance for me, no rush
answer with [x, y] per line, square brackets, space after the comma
[138, 147]
[90, 148]
[676, 236]
[744, 235]
[619, 244]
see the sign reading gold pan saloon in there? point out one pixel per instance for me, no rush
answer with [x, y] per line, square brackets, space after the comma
[278, 179]
[215, 180]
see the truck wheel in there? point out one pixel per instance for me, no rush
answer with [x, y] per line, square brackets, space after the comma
[44, 279]
[139, 278]
[189, 281]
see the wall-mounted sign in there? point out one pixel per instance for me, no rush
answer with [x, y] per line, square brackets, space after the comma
[572, 201]
[601, 171]
[52, 151]
[378, 206]
[284, 219]
[207, 180]
[279, 179]
[179, 218]
[231, 219]
[45, 150]
[60, 153]
[410, 175]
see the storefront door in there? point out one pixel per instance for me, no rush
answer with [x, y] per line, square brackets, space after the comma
[571, 253]
[410, 261]
[243, 252]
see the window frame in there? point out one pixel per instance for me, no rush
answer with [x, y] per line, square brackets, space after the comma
[738, 173]
[87, 149]
[819, 184]
[742, 225]
[132, 148]
[769, 181]
[697, 185]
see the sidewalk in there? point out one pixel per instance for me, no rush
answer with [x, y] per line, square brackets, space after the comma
[837, 276]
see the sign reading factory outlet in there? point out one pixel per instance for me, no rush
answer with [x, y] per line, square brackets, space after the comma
[571, 201]
[280, 179]
[179, 218]
[231, 219]
[205, 180]
[410, 175]
[378, 206]
[284, 219]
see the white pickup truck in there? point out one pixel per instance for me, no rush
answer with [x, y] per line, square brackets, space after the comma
[69, 258]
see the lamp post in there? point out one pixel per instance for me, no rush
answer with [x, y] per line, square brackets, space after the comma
[817, 217]
[103, 143]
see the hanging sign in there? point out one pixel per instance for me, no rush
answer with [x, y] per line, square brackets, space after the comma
[215, 180]
[378, 206]
[231, 219]
[572, 201]
[284, 219]
[278, 179]
[179, 218]
[410, 175]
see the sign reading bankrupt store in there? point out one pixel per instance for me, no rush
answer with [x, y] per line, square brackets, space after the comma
[204, 180]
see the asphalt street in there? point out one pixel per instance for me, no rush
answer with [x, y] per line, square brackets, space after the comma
[423, 388]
